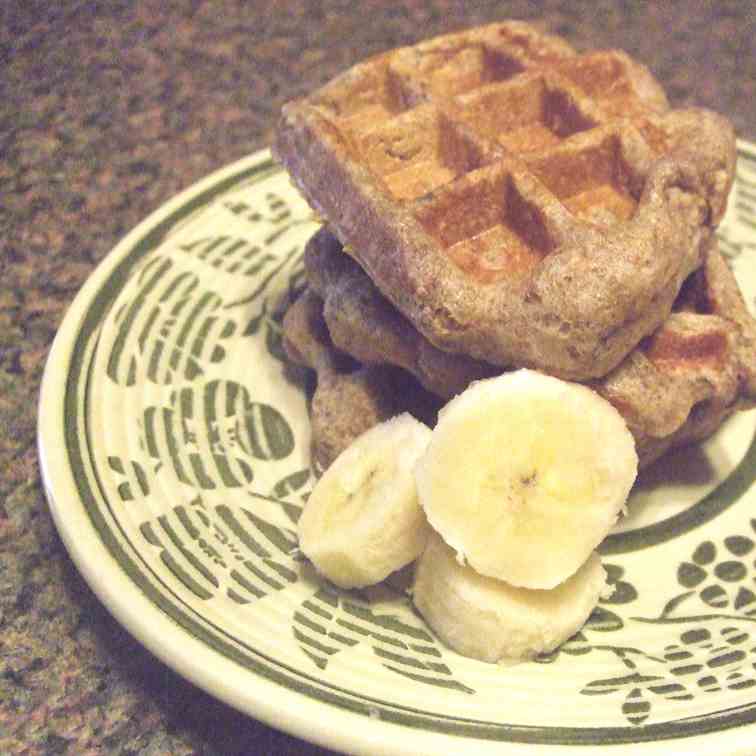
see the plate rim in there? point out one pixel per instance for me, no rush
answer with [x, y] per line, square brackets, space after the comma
[264, 697]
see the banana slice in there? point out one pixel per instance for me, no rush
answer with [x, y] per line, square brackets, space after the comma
[487, 619]
[525, 475]
[363, 520]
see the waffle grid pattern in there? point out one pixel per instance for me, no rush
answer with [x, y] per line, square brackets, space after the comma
[484, 134]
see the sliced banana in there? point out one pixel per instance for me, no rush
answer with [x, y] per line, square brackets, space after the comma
[487, 619]
[525, 475]
[363, 520]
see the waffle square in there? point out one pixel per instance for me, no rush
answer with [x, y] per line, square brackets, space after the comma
[517, 201]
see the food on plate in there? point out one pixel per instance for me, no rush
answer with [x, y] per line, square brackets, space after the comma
[525, 475]
[363, 520]
[487, 619]
[695, 371]
[675, 387]
[362, 323]
[526, 234]
[349, 399]
[401, 492]
[517, 202]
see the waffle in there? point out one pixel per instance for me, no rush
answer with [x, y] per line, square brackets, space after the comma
[517, 202]
[348, 398]
[364, 324]
[675, 387]
[684, 380]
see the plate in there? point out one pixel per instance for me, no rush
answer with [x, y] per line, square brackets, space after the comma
[174, 444]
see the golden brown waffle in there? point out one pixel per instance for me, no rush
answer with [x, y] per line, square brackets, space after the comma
[517, 202]
[677, 386]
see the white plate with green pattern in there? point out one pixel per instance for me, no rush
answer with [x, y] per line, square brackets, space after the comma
[174, 445]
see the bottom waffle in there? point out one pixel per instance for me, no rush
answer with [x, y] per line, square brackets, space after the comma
[676, 387]
[349, 398]
[694, 371]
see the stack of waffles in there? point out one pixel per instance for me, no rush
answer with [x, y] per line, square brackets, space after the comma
[494, 200]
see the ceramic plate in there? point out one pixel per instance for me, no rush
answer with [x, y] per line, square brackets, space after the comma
[174, 443]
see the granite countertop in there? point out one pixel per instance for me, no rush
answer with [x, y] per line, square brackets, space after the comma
[107, 111]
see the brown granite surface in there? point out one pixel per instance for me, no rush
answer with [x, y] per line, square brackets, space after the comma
[106, 111]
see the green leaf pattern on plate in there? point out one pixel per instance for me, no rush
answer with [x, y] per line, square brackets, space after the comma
[206, 429]
[330, 621]
[211, 434]
[223, 550]
[714, 650]
[170, 329]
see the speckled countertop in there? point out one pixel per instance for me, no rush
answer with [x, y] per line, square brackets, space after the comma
[106, 111]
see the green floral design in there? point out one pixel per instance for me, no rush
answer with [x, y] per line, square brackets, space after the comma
[721, 575]
[331, 621]
[223, 551]
[210, 433]
[714, 651]
[170, 330]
